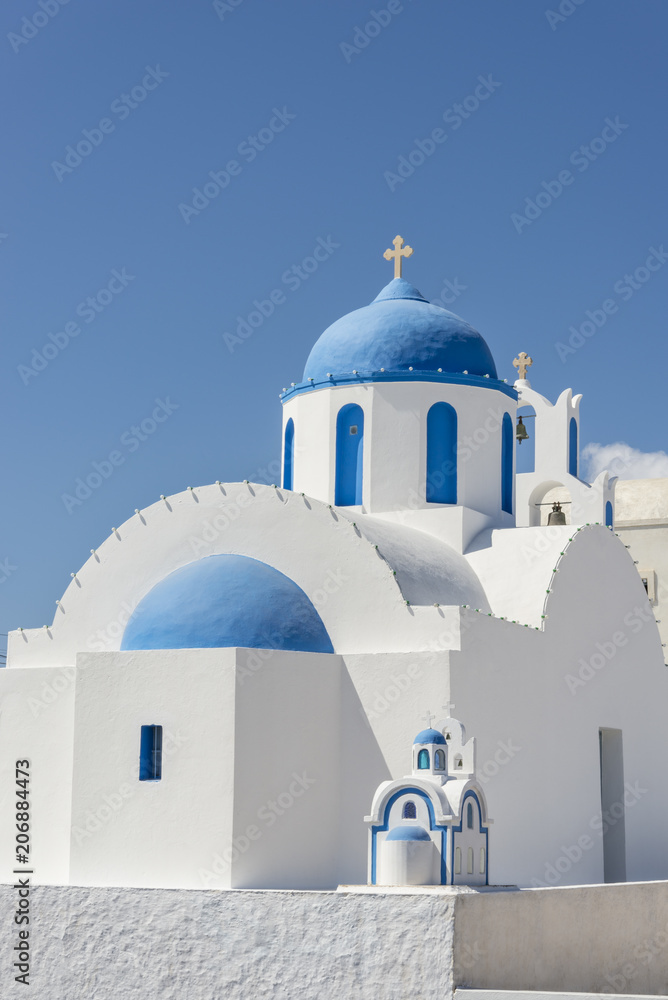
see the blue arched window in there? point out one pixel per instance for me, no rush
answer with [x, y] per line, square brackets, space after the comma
[507, 447]
[349, 455]
[288, 454]
[410, 811]
[608, 515]
[423, 760]
[439, 761]
[442, 454]
[469, 816]
[573, 447]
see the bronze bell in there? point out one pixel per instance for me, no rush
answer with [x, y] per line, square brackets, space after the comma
[556, 515]
[521, 433]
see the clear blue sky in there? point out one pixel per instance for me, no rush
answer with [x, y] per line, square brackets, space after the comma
[220, 77]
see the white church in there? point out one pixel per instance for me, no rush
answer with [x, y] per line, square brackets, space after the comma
[228, 695]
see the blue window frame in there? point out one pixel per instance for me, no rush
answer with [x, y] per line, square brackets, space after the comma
[423, 760]
[573, 447]
[507, 451]
[349, 455]
[441, 454]
[150, 753]
[289, 454]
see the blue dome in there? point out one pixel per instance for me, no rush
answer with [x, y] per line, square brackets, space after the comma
[429, 736]
[226, 600]
[398, 331]
[408, 833]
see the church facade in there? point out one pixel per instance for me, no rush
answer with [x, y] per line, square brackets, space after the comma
[237, 668]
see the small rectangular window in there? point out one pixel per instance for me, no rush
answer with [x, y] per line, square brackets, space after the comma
[458, 860]
[470, 861]
[482, 860]
[150, 753]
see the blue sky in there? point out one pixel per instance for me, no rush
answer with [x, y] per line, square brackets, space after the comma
[304, 114]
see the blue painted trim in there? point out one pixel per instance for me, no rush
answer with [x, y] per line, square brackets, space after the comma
[349, 456]
[408, 790]
[441, 483]
[507, 455]
[289, 454]
[401, 376]
[458, 829]
[573, 447]
[609, 516]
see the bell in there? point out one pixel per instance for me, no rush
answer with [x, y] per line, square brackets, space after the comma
[556, 515]
[521, 433]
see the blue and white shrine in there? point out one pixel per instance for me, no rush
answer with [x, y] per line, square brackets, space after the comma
[431, 827]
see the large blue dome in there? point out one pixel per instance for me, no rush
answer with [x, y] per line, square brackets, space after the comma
[226, 600]
[398, 331]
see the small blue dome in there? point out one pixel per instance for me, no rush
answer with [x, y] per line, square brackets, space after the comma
[226, 600]
[399, 330]
[429, 736]
[408, 833]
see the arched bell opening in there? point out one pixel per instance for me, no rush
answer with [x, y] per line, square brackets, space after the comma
[550, 503]
[525, 438]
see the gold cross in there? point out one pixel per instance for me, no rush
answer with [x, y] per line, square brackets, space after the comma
[399, 251]
[522, 362]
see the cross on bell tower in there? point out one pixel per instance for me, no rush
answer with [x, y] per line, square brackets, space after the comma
[399, 251]
[522, 362]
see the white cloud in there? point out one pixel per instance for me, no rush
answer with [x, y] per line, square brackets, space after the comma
[622, 460]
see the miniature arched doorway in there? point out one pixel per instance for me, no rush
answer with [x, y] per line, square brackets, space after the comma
[289, 454]
[507, 462]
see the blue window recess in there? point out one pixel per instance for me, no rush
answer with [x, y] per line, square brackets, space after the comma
[423, 760]
[150, 753]
[573, 447]
[507, 448]
[349, 455]
[288, 454]
[439, 760]
[410, 812]
[469, 816]
[442, 454]
[608, 515]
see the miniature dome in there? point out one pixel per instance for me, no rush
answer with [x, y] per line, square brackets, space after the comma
[408, 833]
[226, 600]
[429, 736]
[399, 330]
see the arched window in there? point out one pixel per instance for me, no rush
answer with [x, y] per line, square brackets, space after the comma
[507, 449]
[423, 760]
[349, 455]
[410, 811]
[442, 454]
[469, 866]
[459, 763]
[482, 860]
[439, 760]
[469, 816]
[608, 515]
[573, 447]
[458, 860]
[288, 454]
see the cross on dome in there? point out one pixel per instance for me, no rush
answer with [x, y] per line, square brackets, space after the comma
[399, 251]
[428, 717]
[522, 362]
